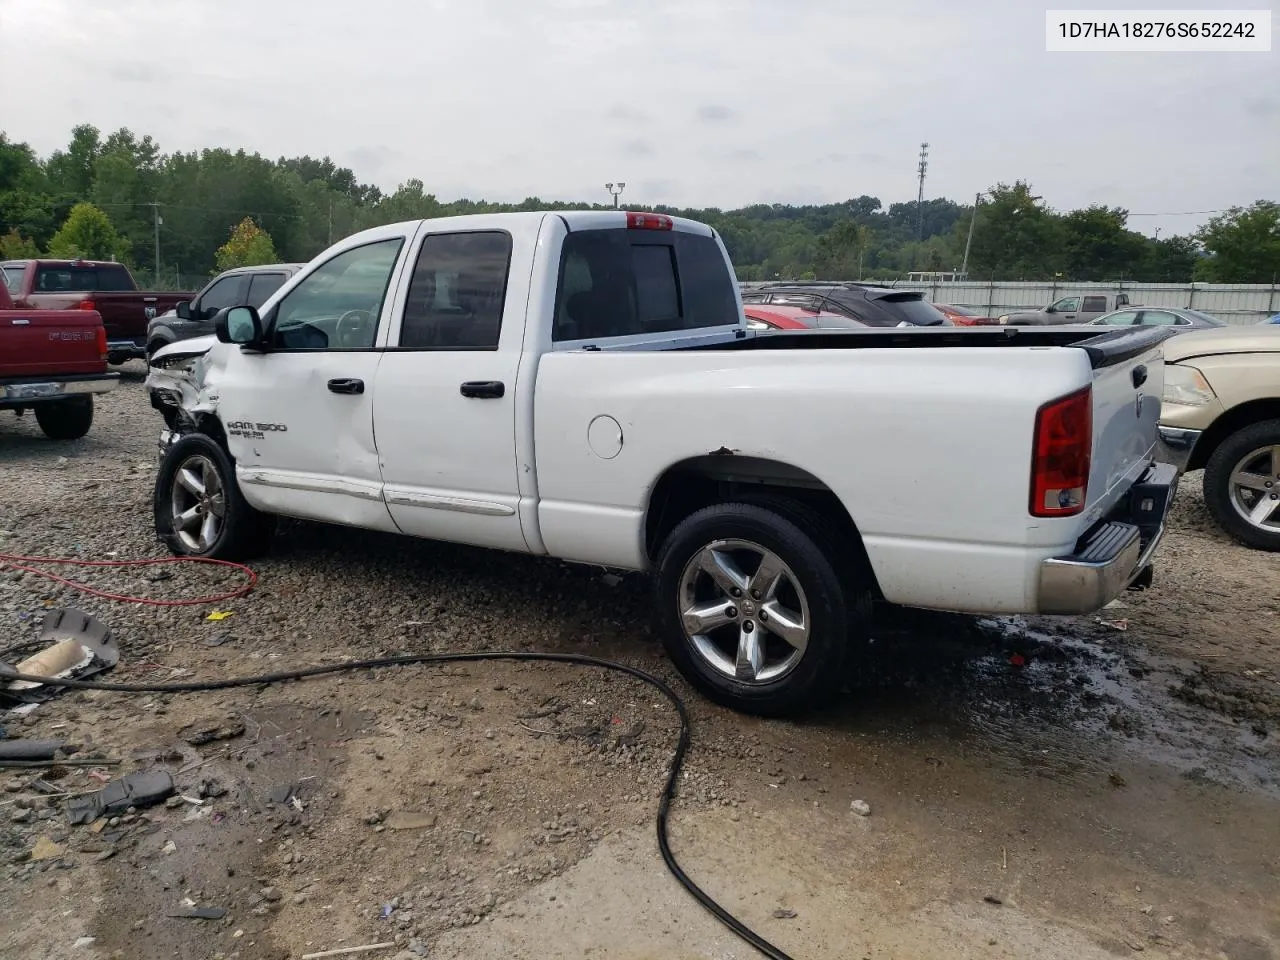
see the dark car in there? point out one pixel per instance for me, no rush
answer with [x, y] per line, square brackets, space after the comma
[868, 303]
[241, 287]
[1140, 316]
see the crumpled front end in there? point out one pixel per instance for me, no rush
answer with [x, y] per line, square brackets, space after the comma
[181, 384]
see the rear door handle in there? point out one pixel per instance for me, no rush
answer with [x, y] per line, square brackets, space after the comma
[1139, 375]
[484, 389]
[347, 385]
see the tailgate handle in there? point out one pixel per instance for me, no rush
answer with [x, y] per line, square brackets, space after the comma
[1139, 375]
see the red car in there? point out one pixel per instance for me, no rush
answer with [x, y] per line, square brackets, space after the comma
[965, 316]
[776, 316]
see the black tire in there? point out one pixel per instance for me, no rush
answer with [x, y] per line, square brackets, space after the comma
[68, 419]
[244, 533]
[838, 606]
[1217, 484]
[155, 345]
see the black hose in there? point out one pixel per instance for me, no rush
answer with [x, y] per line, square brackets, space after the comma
[664, 804]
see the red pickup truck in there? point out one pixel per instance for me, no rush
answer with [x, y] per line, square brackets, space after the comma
[108, 288]
[53, 362]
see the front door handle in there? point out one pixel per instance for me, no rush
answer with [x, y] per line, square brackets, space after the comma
[346, 385]
[484, 389]
[1139, 375]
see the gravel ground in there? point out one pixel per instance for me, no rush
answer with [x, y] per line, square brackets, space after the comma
[434, 808]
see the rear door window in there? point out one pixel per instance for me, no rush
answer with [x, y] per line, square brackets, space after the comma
[620, 283]
[1094, 305]
[262, 286]
[1159, 318]
[458, 291]
[1124, 318]
[13, 278]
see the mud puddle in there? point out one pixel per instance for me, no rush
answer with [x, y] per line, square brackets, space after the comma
[1046, 698]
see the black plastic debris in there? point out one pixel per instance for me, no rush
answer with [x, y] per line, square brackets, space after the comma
[30, 749]
[140, 789]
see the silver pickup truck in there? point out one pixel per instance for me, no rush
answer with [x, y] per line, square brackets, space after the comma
[1074, 309]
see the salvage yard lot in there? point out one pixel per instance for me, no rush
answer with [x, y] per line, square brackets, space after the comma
[1056, 788]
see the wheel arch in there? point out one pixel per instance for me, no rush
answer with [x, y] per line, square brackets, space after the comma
[1237, 418]
[722, 476]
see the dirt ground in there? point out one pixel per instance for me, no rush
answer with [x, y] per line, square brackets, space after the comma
[1099, 787]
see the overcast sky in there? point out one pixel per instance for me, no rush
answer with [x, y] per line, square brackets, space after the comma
[690, 102]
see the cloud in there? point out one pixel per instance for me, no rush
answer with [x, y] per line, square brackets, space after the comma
[715, 113]
[555, 98]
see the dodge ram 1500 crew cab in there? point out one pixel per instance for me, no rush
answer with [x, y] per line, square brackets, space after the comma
[583, 385]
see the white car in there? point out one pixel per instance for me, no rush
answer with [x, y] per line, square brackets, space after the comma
[582, 385]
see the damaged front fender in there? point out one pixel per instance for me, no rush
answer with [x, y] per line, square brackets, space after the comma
[182, 382]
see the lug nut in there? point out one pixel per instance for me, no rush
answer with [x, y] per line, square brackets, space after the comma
[764, 615]
[732, 613]
[748, 626]
[755, 594]
[735, 592]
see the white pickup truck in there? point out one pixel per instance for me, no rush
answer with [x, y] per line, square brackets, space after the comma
[583, 385]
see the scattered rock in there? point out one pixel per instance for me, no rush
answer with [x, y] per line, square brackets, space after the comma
[46, 849]
[200, 734]
[781, 914]
[861, 808]
[992, 900]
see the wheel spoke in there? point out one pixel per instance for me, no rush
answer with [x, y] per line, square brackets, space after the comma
[786, 625]
[1250, 481]
[1275, 461]
[721, 568]
[217, 505]
[208, 530]
[703, 617]
[188, 480]
[1263, 510]
[764, 582]
[188, 519]
[750, 654]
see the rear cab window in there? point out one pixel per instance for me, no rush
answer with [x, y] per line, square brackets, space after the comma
[98, 278]
[627, 283]
[13, 277]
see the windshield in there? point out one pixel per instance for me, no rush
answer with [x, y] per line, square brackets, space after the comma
[13, 278]
[913, 309]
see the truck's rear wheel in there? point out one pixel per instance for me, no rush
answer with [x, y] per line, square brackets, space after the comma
[68, 419]
[1242, 485]
[199, 510]
[753, 611]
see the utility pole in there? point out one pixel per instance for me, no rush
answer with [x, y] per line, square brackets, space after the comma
[331, 221]
[616, 190]
[155, 209]
[924, 165]
[964, 267]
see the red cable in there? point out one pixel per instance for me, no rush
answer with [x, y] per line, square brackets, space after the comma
[19, 563]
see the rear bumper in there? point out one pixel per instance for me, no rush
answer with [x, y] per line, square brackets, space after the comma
[1176, 445]
[129, 349]
[1108, 558]
[23, 393]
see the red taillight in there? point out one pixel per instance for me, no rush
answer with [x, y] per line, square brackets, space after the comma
[649, 221]
[86, 305]
[1061, 453]
[102, 342]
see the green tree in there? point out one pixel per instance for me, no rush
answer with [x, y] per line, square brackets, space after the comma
[88, 234]
[1243, 244]
[1098, 246]
[248, 246]
[14, 246]
[1016, 236]
[1172, 260]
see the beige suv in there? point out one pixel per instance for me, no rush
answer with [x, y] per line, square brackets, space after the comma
[1221, 413]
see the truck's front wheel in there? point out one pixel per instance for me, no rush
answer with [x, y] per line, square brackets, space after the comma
[199, 510]
[1242, 485]
[753, 610]
[68, 419]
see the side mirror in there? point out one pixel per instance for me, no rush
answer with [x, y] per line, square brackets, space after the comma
[183, 309]
[240, 325]
[1049, 309]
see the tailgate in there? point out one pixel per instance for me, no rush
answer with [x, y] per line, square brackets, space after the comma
[125, 315]
[49, 342]
[1128, 382]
